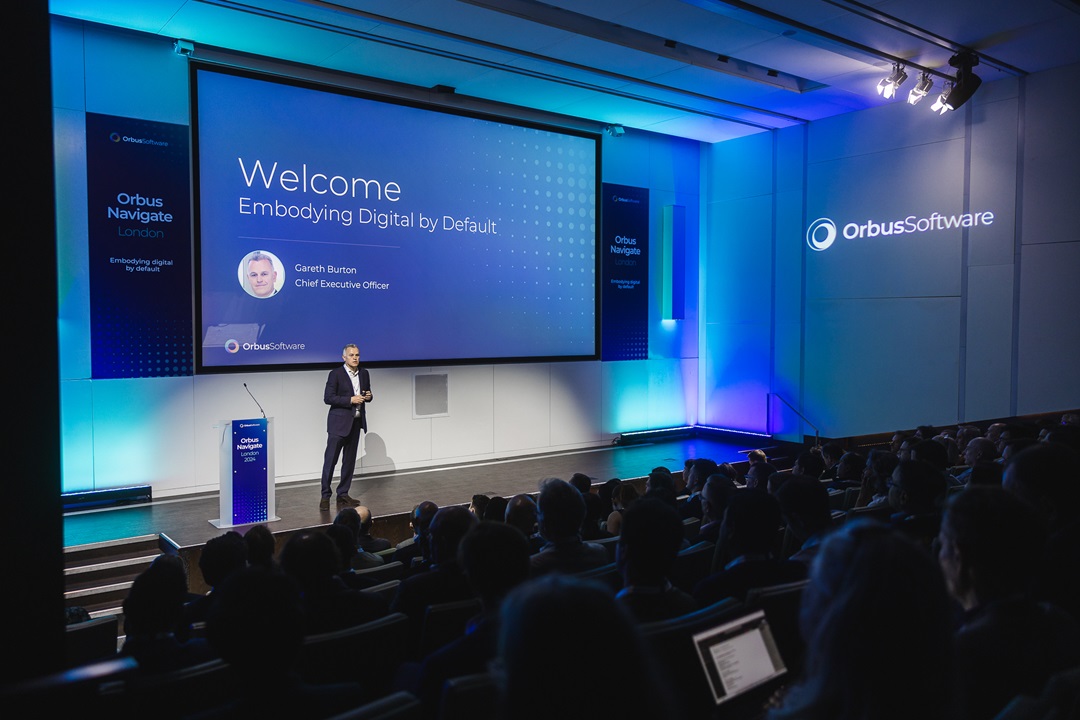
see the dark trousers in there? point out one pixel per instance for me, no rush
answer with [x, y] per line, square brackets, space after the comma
[335, 444]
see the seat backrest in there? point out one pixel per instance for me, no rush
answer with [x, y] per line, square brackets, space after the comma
[692, 565]
[56, 694]
[608, 544]
[174, 694]
[607, 575]
[395, 706]
[470, 696]
[89, 641]
[387, 590]
[369, 654]
[381, 573]
[445, 622]
[670, 642]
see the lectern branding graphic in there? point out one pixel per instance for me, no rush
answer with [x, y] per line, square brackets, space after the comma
[823, 232]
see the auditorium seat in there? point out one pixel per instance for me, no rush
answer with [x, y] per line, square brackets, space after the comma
[692, 565]
[369, 654]
[691, 527]
[471, 696]
[396, 706]
[56, 694]
[381, 573]
[173, 694]
[677, 660]
[387, 590]
[609, 544]
[89, 641]
[607, 575]
[445, 622]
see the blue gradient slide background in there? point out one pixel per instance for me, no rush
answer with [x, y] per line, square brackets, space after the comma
[516, 281]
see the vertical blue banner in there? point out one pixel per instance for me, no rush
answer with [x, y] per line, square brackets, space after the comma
[250, 453]
[139, 222]
[624, 246]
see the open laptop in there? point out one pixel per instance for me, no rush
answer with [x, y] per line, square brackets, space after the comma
[740, 656]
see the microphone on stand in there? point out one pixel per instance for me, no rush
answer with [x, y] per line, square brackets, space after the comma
[256, 401]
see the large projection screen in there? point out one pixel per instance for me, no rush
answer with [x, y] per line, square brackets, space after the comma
[425, 236]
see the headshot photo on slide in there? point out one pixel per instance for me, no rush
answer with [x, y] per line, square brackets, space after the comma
[261, 274]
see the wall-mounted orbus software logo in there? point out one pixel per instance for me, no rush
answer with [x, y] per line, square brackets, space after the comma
[821, 234]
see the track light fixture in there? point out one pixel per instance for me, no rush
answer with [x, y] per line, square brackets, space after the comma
[889, 85]
[966, 83]
[922, 89]
[940, 105]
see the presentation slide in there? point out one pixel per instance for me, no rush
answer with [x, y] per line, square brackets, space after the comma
[424, 236]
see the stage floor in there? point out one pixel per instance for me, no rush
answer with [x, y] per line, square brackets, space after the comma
[186, 520]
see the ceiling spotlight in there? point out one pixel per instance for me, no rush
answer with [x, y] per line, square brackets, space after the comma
[888, 86]
[615, 130]
[921, 89]
[966, 82]
[184, 48]
[941, 105]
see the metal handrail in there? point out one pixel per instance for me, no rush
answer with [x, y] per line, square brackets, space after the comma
[768, 411]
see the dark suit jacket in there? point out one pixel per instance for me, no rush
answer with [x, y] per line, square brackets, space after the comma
[338, 395]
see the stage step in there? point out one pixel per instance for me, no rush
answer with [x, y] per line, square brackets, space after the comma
[98, 576]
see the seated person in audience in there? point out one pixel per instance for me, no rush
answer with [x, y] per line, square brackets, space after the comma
[758, 474]
[495, 559]
[714, 499]
[414, 549]
[582, 482]
[979, 451]
[804, 506]
[964, 435]
[258, 628]
[365, 540]
[521, 514]
[696, 473]
[831, 452]
[443, 581]
[311, 559]
[809, 463]
[348, 519]
[897, 441]
[916, 495]
[594, 527]
[220, 557]
[907, 447]
[877, 624]
[660, 484]
[604, 492]
[478, 505]
[652, 534]
[152, 612]
[874, 491]
[625, 495]
[1014, 446]
[345, 542]
[561, 511]
[932, 453]
[552, 633]
[849, 471]
[746, 554]
[1045, 476]
[1008, 643]
[261, 547]
[496, 509]
[755, 456]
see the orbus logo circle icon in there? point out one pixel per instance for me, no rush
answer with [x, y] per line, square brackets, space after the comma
[232, 346]
[821, 234]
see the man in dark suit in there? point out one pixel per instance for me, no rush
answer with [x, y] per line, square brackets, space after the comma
[348, 389]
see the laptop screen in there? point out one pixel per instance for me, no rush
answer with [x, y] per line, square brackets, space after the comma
[739, 655]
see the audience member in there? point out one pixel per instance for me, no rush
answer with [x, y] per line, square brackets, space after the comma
[745, 557]
[258, 628]
[831, 452]
[661, 485]
[696, 473]
[582, 482]
[350, 523]
[365, 540]
[414, 549]
[652, 534]
[495, 559]
[261, 547]
[560, 513]
[545, 624]
[758, 474]
[221, 556]
[478, 505]
[312, 560]
[153, 610]
[594, 526]
[1046, 477]
[521, 513]
[624, 496]
[874, 491]
[849, 472]
[876, 619]
[916, 495]
[443, 581]
[804, 505]
[496, 509]
[714, 499]
[1008, 643]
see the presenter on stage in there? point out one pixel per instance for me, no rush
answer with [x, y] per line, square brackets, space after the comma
[348, 390]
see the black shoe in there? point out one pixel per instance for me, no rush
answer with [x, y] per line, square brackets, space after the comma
[346, 500]
[324, 505]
